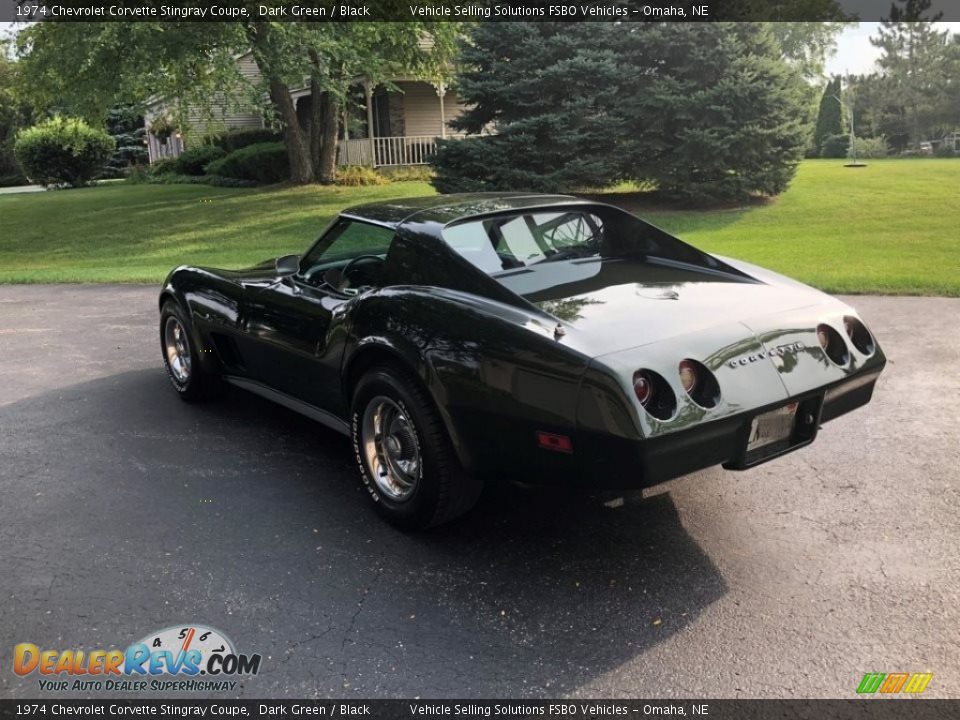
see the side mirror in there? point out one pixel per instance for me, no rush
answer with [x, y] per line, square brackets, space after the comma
[288, 265]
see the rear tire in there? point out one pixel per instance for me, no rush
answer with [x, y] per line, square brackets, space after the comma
[406, 460]
[188, 370]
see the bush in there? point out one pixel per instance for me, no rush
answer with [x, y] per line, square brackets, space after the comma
[164, 166]
[409, 173]
[944, 151]
[178, 179]
[138, 174]
[193, 161]
[835, 146]
[869, 147]
[63, 151]
[359, 175]
[236, 139]
[263, 163]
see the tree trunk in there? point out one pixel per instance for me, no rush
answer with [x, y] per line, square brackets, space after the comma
[327, 164]
[301, 169]
[316, 123]
[298, 151]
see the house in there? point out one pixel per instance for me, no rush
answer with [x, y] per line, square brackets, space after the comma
[383, 126]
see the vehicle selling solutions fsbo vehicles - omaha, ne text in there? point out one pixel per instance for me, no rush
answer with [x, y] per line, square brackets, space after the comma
[552, 340]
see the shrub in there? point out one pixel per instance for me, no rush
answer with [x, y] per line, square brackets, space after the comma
[869, 147]
[263, 163]
[138, 174]
[359, 175]
[164, 166]
[178, 179]
[193, 160]
[63, 151]
[409, 173]
[236, 139]
[944, 151]
[835, 146]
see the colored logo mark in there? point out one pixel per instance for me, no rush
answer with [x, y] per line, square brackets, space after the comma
[891, 683]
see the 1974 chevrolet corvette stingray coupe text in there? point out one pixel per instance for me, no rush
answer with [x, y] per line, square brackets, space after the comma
[547, 339]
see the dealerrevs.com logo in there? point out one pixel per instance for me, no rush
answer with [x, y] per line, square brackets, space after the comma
[178, 658]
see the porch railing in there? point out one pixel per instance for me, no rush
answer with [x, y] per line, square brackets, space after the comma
[388, 151]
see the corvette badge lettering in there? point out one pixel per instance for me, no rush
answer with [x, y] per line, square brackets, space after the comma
[775, 352]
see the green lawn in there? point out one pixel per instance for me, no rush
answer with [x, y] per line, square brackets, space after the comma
[137, 233]
[892, 227]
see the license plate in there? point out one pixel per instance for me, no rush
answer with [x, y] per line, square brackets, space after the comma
[772, 426]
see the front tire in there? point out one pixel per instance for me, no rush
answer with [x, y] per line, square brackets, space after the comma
[406, 460]
[187, 370]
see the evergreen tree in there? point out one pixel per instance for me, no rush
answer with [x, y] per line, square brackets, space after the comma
[125, 124]
[714, 112]
[914, 65]
[551, 91]
[830, 116]
[706, 111]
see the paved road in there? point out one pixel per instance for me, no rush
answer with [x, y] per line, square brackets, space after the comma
[17, 189]
[124, 510]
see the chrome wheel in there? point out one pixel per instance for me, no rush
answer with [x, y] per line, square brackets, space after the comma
[177, 348]
[391, 448]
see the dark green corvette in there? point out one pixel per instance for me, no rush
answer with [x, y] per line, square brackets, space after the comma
[460, 339]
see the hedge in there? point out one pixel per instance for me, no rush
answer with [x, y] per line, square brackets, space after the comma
[263, 163]
[193, 160]
[237, 139]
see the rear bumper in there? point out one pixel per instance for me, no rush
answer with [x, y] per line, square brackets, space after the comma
[610, 462]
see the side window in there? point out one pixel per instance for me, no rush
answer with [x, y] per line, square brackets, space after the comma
[472, 242]
[344, 241]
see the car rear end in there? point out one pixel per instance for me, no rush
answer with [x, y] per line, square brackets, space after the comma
[737, 394]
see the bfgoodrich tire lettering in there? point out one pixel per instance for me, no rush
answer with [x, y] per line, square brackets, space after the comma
[426, 484]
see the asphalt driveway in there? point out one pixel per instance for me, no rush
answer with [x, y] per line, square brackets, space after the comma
[124, 510]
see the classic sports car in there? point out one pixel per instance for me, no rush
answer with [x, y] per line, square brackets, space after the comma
[458, 339]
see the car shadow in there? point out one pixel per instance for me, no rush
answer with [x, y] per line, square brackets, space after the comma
[131, 511]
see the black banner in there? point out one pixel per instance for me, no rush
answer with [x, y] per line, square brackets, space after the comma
[861, 709]
[465, 11]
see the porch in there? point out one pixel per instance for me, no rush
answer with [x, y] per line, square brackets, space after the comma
[388, 151]
[391, 127]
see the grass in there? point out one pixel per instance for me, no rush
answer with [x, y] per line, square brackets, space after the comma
[891, 227]
[137, 233]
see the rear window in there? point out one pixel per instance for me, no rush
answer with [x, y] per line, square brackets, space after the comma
[508, 243]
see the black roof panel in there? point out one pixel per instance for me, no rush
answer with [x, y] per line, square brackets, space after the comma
[444, 209]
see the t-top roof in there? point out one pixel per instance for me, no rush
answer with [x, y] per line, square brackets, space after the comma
[443, 209]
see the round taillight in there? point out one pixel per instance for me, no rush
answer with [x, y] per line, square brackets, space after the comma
[654, 394]
[688, 376]
[642, 387]
[833, 345]
[699, 383]
[823, 338]
[859, 335]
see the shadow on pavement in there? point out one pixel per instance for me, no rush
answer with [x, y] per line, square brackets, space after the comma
[128, 511]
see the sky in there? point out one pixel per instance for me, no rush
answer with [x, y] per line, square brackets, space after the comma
[856, 55]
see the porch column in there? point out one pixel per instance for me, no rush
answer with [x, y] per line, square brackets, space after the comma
[368, 90]
[441, 88]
